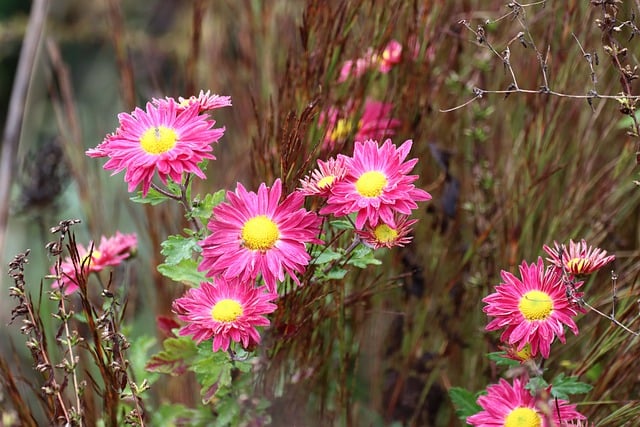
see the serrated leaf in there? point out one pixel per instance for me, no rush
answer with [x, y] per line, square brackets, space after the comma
[153, 197]
[186, 271]
[204, 208]
[535, 384]
[563, 386]
[174, 358]
[501, 360]
[178, 248]
[213, 371]
[362, 257]
[464, 402]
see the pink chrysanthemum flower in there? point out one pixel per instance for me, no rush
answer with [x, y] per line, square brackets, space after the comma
[507, 405]
[391, 55]
[205, 101]
[110, 252]
[384, 236]
[357, 67]
[374, 123]
[228, 310]
[162, 139]
[533, 310]
[376, 185]
[323, 178]
[254, 234]
[578, 259]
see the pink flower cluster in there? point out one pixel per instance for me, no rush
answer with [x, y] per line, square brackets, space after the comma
[260, 238]
[375, 185]
[110, 252]
[532, 310]
[384, 61]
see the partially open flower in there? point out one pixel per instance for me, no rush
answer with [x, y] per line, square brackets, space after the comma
[578, 259]
[110, 252]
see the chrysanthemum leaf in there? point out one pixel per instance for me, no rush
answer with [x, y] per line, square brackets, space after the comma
[153, 197]
[213, 371]
[178, 248]
[325, 255]
[342, 224]
[202, 209]
[564, 386]
[500, 358]
[174, 358]
[536, 384]
[464, 402]
[362, 257]
[336, 274]
[186, 271]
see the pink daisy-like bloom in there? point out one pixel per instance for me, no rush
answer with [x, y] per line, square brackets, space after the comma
[162, 139]
[357, 67]
[375, 123]
[110, 252]
[254, 234]
[384, 236]
[323, 178]
[533, 310]
[391, 55]
[578, 259]
[507, 405]
[376, 185]
[205, 101]
[227, 310]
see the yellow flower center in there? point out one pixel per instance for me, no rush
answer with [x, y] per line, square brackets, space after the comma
[576, 265]
[385, 234]
[260, 233]
[525, 353]
[535, 305]
[326, 181]
[371, 184]
[158, 140]
[226, 310]
[523, 417]
[342, 129]
[95, 256]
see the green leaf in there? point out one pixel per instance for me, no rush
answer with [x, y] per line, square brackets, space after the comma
[174, 358]
[336, 274]
[203, 209]
[153, 197]
[501, 360]
[213, 371]
[363, 256]
[535, 384]
[464, 402]
[341, 224]
[564, 386]
[179, 248]
[325, 255]
[186, 271]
